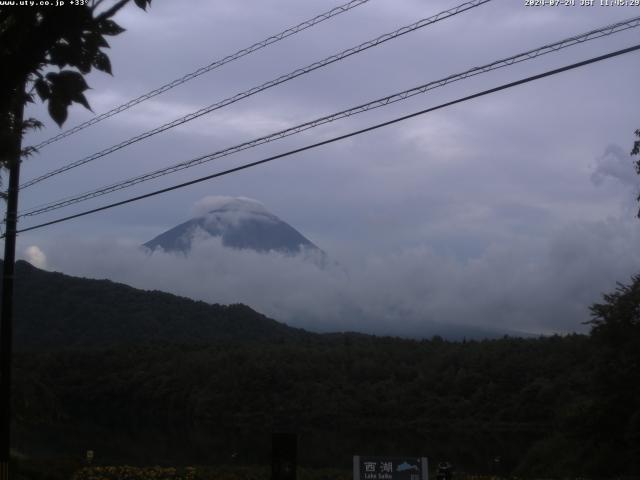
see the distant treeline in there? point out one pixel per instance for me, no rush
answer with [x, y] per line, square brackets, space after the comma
[546, 397]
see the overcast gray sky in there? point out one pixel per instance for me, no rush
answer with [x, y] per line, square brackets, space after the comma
[515, 210]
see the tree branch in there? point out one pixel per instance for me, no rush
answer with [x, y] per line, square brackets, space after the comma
[112, 11]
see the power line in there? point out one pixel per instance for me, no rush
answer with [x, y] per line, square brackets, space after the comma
[272, 83]
[341, 137]
[396, 97]
[212, 66]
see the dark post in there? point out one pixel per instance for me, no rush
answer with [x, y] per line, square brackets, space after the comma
[6, 305]
[284, 456]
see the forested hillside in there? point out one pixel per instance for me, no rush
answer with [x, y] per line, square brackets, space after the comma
[552, 406]
[55, 311]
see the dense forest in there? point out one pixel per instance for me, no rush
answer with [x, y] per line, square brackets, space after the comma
[552, 406]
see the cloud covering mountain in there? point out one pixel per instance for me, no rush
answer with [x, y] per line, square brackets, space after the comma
[240, 223]
[520, 283]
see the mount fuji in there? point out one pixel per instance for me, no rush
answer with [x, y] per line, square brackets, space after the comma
[241, 223]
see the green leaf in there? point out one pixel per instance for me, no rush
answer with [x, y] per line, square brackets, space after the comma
[101, 41]
[84, 62]
[95, 41]
[66, 87]
[61, 55]
[102, 62]
[636, 147]
[71, 81]
[31, 124]
[82, 100]
[143, 4]
[42, 89]
[58, 111]
[109, 27]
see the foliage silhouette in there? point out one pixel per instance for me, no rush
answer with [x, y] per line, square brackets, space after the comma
[34, 40]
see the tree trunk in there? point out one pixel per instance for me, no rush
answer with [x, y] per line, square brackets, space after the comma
[6, 305]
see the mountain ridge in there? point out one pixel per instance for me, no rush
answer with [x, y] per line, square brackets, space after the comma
[58, 311]
[55, 310]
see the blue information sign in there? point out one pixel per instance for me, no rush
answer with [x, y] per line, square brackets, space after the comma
[390, 468]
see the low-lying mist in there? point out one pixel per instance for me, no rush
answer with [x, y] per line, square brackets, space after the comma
[533, 285]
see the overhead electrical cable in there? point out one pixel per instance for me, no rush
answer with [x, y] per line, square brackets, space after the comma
[272, 83]
[200, 71]
[396, 97]
[338, 138]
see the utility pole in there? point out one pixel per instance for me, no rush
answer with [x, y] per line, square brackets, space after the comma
[8, 267]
